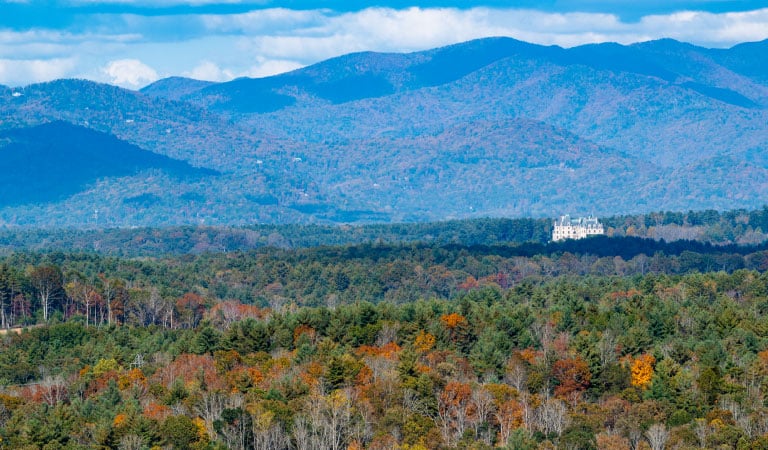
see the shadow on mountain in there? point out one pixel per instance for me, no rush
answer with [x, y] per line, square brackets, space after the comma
[53, 161]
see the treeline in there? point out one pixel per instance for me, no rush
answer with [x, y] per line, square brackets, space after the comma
[39, 288]
[132, 242]
[740, 227]
[604, 343]
[594, 362]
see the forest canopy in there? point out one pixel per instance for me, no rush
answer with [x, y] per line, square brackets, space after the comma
[604, 343]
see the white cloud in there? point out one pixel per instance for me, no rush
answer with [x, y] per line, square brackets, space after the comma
[709, 29]
[310, 36]
[269, 21]
[52, 44]
[16, 72]
[130, 73]
[209, 71]
[132, 49]
[158, 3]
[269, 67]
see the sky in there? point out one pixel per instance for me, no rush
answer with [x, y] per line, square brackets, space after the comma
[131, 43]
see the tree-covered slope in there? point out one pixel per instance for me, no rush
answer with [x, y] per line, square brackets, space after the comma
[174, 88]
[655, 100]
[438, 347]
[492, 127]
[175, 129]
[50, 162]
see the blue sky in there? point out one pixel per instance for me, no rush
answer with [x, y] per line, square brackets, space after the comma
[134, 42]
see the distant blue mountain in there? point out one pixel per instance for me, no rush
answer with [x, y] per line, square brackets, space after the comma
[492, 127]
[363, 75]
[50, 162]
[748, 59]
[371, 75]
[174, 88]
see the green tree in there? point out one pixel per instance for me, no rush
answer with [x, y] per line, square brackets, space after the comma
[179, 431]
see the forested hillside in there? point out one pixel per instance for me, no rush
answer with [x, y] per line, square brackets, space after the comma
[742, 227]
[53, 161]
[604, 343]
[493, 127]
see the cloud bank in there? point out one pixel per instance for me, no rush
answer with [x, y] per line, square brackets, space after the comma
[131, 50]
[131, 73]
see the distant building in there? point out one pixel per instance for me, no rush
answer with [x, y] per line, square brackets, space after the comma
[567, 228]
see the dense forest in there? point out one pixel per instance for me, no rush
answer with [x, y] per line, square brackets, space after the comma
[743, 227]
[606, 343]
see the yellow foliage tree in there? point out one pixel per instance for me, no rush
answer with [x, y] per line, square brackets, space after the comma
[453, 320]
[424, 341]
[104, 366]
[202, 433]
[642, 370]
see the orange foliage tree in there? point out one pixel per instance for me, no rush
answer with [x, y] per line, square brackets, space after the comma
[191, 308]
[573, 376]
[642, 370]
[453, 320]
[454, 403]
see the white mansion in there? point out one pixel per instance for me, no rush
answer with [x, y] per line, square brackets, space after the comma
[567, 228]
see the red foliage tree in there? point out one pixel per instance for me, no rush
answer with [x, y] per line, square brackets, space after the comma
[572, 375]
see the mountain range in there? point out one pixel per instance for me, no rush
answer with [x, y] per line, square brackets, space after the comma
[492, 127]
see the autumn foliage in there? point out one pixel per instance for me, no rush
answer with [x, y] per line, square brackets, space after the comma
[424, 341]
[642, 370]
[453, 320]
[572, 375]
[562, 361]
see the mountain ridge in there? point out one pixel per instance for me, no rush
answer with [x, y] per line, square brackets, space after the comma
[49, 162]
[491, 127]
[481, 53]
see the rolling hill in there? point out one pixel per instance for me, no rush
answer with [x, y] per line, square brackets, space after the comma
[489, 127]
[49, 162]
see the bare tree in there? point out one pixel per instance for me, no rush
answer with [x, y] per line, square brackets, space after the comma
[302, 434]
[149, 308]
[607, 347]
[387, 334]
[336, 419]
[53, 389]
[108, 294]
[48, 281]
[760, 421]
[505, 418]
[82, 292]
[9, 288]
[209, 407]
[552, 416]
[454, 403]
[268, 433]
[131, 442]
[702, 432]
[155, 306]
[529, 412]
[517, 375]
[544, 332]
[657, 436]
[741, 418]
[328, 423]
[482, 403]
[234, 431]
